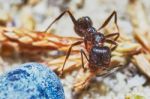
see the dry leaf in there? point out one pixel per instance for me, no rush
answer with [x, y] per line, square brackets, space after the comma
[143, 64]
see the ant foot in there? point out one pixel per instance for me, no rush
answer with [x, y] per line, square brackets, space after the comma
[79, 86]
[61, 74]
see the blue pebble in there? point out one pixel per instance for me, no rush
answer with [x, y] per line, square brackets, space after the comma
[31, 81]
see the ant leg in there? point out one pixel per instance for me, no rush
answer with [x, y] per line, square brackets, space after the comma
[83, 53]
[82, 84]
[66, 11]
[113, 34]
[112, 42]
[85, 43]
[68, 53]
[114, 13]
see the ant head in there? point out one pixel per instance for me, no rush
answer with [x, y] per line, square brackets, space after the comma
[84, 22]
[82, 25]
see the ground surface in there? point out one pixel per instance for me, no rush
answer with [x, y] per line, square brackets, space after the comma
[117, 86]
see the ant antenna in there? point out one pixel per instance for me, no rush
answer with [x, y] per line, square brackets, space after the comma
[66, 11]
[114, 13]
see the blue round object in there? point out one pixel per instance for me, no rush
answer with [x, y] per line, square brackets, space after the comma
[31, 81]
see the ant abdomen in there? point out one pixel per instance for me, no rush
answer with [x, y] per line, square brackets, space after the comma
[99, 56]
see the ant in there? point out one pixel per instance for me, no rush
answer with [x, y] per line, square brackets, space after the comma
[99, 54]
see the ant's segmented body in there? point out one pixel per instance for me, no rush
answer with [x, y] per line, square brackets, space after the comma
[99, 54]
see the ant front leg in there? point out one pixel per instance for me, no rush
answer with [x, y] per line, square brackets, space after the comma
[114, 13]
[112, 42]
[83, 53]
[68, 53]
[66, 11]
[113, 34]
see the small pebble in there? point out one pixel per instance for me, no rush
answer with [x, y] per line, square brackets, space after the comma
[31, 81]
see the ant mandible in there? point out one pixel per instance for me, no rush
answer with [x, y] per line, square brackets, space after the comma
[99, 55]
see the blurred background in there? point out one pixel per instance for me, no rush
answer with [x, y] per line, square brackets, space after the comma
[36, 15]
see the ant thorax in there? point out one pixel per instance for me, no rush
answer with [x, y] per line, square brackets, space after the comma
[89, 32]
[98, 39]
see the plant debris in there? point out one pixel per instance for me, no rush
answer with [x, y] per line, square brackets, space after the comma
[24, 39]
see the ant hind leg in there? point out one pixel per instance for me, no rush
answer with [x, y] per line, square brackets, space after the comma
[83, 53]
[112, 42]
